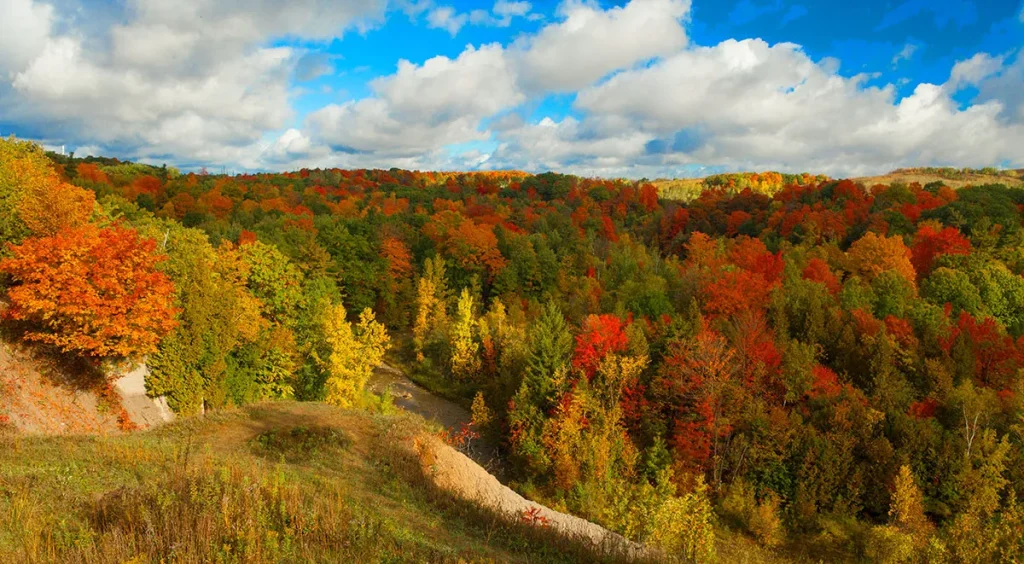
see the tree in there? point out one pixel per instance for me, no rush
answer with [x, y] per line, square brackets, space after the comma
[218, 315]
[930, 242]
[24, 168]
[275, 280]
[354, 353]
[465, 357]
[697, 376]
[906, 511]
[600, 336]
[818, 270]
[947, 286]
[873, 254]
[686, 525]
[431, 306]
[550, 351]
[46, 208]
[92, 291]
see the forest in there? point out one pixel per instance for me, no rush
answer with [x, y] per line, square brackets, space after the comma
[831, 369]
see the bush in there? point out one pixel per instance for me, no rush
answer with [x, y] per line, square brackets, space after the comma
[886, 544]
[761, 519]
[684, 526]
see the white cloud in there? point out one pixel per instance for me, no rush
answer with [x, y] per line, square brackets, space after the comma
[445, 17]
[423, 107]
[187, 78]
[24, 31]
[506, 9]
[590, 43]
[196, 82]
[905, 54]
[972, 71]
[750, 105]
[1004, 87]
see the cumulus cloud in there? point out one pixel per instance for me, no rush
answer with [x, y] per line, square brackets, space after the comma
[748, 104]
[450, 20]
[445, 17]
[972, 71]
[590, 43]
[423, 107]
[188, 78]
[1004, 87]
[201, 82]
[905, 54]
[24, 31]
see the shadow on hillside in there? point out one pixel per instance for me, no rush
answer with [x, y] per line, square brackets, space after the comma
[58, 368]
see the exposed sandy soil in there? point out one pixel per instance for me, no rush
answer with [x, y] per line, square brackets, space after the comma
[465, 477]
[143, 410]
[38, 395]
[415, 399]
[457, 474]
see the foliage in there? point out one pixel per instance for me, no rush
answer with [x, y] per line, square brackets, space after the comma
[354, 352]
[91, 291]
[840, 364]
[465, 356]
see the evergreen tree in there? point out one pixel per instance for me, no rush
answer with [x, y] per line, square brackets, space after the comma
[550, 350]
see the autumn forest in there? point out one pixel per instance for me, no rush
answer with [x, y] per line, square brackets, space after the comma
[828, 369]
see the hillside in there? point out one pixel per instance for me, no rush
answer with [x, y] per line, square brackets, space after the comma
[273, 482]
[950, 177]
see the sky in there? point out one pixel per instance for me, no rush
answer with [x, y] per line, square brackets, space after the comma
[629, 88]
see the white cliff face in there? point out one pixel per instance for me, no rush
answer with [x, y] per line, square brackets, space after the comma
[144, 411]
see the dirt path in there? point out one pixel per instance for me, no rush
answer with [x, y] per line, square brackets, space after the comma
[415, 399]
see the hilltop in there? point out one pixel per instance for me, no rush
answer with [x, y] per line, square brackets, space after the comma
[280, 481]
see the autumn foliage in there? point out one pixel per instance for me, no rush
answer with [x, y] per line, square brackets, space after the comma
[91, 291]
[808, 358]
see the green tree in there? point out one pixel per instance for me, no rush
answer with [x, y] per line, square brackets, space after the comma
[550, 348]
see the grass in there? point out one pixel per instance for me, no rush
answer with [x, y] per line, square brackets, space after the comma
[281, 482]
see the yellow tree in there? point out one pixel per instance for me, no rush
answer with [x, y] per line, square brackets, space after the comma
[355, 352]
[431, 306]
[24, 168]
[465, 358]
[906, 511]
[46, 208]
[874, 254]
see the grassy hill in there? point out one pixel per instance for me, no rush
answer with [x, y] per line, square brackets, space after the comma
[285, 482]
[954, 178]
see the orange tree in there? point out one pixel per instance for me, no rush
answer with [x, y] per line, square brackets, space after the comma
[91, 291]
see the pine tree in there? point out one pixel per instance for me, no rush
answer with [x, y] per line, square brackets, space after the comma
[550, 350]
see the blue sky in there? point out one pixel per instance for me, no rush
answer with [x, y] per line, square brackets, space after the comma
[626, 88]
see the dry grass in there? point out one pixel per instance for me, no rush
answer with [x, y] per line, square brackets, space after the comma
[283, 482]
[909, 177]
